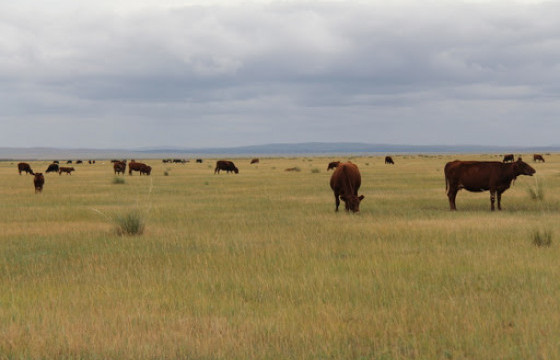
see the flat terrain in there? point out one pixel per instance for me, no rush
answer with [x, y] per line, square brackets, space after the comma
[259, 266]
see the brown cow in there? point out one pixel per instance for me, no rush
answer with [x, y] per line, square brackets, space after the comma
[140, 167]
[477, 176]
[345, 182]
[389, 160]
[538, 157]
[119, 167]
[333, 165]
[67, 170]
[226, 165]
[255, 161]
[508, 158]
[24, 167]
[38, 181]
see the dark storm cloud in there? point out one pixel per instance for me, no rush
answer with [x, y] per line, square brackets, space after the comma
[280, 72]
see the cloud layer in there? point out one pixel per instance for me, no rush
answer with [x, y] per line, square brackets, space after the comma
[122, 75]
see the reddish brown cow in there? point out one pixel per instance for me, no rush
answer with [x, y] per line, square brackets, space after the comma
[345, 182]
[140, 167]
[119, 167]
[538, 157]
[226, 165]
[477, 176]
[38, 181]
[25, 168]
[333, 165]
[255, 161]
[508, 158]
[67, 170]
[389, 160]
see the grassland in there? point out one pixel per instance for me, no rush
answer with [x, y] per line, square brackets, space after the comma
[259, 266]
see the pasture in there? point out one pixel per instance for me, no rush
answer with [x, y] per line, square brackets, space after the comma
[259, 266]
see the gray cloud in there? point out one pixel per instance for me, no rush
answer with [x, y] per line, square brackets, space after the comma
[213, 75]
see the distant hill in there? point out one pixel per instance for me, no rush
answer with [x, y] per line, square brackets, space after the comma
[311, 148]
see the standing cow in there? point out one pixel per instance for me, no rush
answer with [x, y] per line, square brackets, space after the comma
[538, 157]
[389, 160]
[138, 166]
[226, 165]
[67, 170]
[508, 158]
[477, 176]
[38, 182]
[345, 182]
[25, 168]
[119, 167]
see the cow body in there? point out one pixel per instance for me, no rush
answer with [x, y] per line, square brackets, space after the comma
[345, 183]
[333, 165]
[508, 158]
[52, 168]
[389, 160]
[225, 165]
[477, 176]
[67, 170]
[255, 161]
[25, 168]
[538, 157]
[38, 182]
[140, 167]
[119, 167]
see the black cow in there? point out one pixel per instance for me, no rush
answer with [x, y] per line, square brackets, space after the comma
[52, 168]
[508, 158]
[389, 160]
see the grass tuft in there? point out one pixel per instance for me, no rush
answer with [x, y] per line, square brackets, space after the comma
[131, 223]
[118, 180]
[537, 192]
[315, 171]
[543, 239]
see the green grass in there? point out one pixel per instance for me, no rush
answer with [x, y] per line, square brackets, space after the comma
[258, 265]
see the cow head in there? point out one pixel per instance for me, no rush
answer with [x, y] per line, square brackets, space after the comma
[522, 168]
[352, 202]
[236, 170]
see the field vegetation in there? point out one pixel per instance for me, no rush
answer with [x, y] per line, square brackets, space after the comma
[259, 266]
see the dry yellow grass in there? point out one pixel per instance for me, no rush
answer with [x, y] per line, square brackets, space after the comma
[258, 265]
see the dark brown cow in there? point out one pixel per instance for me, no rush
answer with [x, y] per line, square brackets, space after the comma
[119, 167]
[477, 176]
[255, 161]
[38, 181]
[538, 157]
[199, 161]
[389, 160]
[140, 167]
[67, 170]
[508, 158]
[333, 165]
[25, 168]
[52, 168]
[345, 182]
[226, 165]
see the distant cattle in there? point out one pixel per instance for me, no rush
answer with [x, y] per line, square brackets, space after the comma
[199, 161]
[69, 162]
[179, 161]
[255, 161]
[477, 176]
[345, 183]
[140, 167]
[52, 168]
[119, 167]
[508, 158]
[67, 170]
[333, 165]
[22, 166]
[296, 169]
[91, 162]
[165, 161]
[79, 162]
[38, 182]
[226, 166]
[389, 160]
[538, 157]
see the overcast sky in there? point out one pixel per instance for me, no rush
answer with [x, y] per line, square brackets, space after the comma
[148, 73]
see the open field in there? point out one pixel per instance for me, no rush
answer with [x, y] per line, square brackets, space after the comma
[259, 266]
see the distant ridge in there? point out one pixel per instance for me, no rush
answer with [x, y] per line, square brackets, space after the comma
[279, 149]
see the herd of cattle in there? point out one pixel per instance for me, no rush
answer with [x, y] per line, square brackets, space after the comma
[474, 176]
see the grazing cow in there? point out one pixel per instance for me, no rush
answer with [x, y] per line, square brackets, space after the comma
[333, 165]
[165, 161]
[538, 157]
[69, 162]
[225, 165]
[38, 181]
[477, 176]
[52, 168]
[140, 167]
[67, 170]
[199, 161]
[79, 162]
[255, 161]
[345, 182]
[119, 167]
[24, 167]
[179, 161]
[389, 160]
[508, 158]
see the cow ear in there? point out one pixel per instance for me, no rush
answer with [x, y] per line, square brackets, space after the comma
[361, 197]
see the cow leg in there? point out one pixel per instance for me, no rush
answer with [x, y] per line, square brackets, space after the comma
[492, 199]
[499, 200]
[452, 194]
[336, 201]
